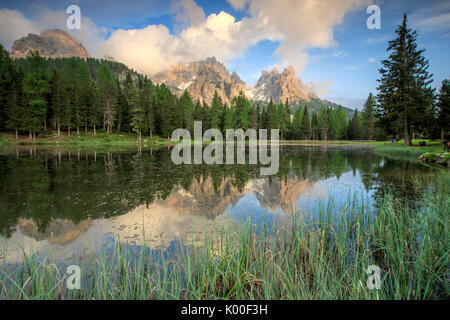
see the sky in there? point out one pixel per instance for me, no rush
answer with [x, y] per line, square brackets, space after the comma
[326, 41]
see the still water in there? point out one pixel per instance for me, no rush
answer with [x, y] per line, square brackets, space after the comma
[69, 204]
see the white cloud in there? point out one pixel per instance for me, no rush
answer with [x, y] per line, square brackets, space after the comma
[319, 88]
[372, 60]
[297, 25]
[303, 24]
[432, 18]
[13, 25]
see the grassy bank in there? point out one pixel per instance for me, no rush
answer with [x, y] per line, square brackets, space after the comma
[321, 256]
[84, 139]
[401, 149]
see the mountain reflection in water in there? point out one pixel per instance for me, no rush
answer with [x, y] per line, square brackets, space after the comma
[73, 203]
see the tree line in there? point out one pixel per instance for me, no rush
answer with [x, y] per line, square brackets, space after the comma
[73, 94]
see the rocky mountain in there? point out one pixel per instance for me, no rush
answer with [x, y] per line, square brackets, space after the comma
[50, 44]
[286, 85]
[279, 87]
[201, 79]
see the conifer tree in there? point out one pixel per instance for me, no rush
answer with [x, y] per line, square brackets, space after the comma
[297, 124]
[216, 111]
[405, 96]
[107, 96]
[57, 100]
[306, 124]
[368, 117]
[36, 88]
[443, 106]
[137, 112]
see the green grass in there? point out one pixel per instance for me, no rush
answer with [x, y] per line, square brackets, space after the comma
[84, 139]
[401, 149]
[321, 256]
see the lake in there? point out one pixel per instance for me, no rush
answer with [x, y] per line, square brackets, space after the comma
[72, 203]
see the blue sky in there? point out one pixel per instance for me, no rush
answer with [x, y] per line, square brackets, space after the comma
[343, 68]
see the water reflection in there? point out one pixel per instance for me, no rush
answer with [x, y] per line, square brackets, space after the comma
[74, 202]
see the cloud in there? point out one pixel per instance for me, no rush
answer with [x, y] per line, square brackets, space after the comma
[188, 13]
[303, 24]
[319, 88]
[13, 25]
[295, 25]
[371, 60]
[432, 18]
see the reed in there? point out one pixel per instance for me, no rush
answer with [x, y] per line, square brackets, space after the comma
[322, 255]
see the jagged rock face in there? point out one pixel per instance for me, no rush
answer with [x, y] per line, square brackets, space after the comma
[279, 87]
[59, 231]
[201, 79]
[50, 44]
[203, 199]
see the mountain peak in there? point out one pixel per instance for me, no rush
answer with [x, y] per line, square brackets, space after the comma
[54, 43]
[280, 87]
[289, 70]
[201, 79]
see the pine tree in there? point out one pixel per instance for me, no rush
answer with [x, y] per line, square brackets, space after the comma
[6, 83]
[341, 123]
[107, 95]
[306, 125]
[137, 112]
[353, 131]
[67, 113]
[315, 126]
[323, 123]
[368, 117]
[297, 125]
[148, 101]
[270, 116]
[36, 88]
[404, 90]
[241, 106]
[188, 111]
[443, 106]
[14, 105]
[94, 108]
[216, 111]
[57, 100]
[227, 122]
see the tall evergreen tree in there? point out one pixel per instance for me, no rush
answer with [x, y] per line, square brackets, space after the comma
[315, 126]
[306, 125]
[443, 106]
[94, 108]
[323, 123]
[404, 89]
[107, 95]
[297, 124]
[216, 111]
[368, 116]
[188, 111]
[36, 88]
[137, 112]
[57, 100]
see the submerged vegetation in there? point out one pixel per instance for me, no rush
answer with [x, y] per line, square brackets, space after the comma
[321, 255]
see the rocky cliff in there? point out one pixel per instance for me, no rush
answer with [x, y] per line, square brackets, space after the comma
[50, 44]
[279, 87]
[201, 79]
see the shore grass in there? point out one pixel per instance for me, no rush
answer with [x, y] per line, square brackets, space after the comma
[322, 255]
[84, 139]
[401, 149]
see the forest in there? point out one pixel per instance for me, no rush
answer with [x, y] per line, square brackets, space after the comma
[72, 94]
